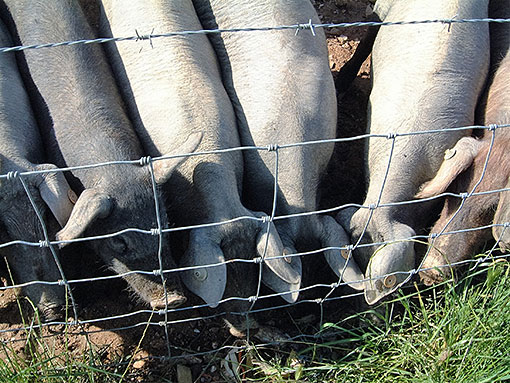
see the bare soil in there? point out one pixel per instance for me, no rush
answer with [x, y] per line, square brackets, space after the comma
[116, 340]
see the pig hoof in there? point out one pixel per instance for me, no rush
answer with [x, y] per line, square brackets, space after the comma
[173, 299]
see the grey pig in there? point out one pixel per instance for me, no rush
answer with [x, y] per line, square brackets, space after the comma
[85, 123]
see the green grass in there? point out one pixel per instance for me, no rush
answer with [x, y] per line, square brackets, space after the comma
[459, 332]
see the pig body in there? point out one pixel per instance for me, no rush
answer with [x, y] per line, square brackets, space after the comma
[174, 89]
[425, 77]
[462, 169]
[21, 150]
[84, 122]
[282, 91]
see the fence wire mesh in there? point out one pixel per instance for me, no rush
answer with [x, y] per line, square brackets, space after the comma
[168, 317]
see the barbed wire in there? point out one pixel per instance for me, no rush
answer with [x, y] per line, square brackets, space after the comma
[296, 27]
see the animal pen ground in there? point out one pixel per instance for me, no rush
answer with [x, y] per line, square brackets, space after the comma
[128, 341]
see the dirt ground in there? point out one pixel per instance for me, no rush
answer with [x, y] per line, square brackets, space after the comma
[108, 299]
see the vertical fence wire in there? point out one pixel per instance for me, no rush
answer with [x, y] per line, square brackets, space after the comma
[47, 243]
[372, 208]
[269, 220]
[148, 161]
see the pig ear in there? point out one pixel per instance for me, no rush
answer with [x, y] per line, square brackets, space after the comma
[280, 272]
[56, 193]
[456, 160]
[163, 169]
[90, 206]
[340, 261]
[208, 282]
[502, 216]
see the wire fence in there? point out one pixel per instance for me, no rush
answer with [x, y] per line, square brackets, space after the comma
[167, 317]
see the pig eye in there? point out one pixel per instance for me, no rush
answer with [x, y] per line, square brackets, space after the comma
[118, 244]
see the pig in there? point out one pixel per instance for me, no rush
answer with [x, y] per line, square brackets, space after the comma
[501, 8]
[84, 122]
[464, 165]
[283, 93]
[173, 89]
[502, 217]
[21, 150]
[424, 77]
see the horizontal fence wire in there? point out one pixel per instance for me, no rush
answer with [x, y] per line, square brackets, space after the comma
[481, 262]
[165, 318]
[157, 231]
[297, 27]
[252, 299]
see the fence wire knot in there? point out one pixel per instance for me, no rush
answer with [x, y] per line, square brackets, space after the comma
[434, 235]
[464, 195]
[257, 260]
[272, 147]
[162, 312]
[155, 231]
[506, 225]
[372, 206]
[308, 25]
[12, 175]
[449, 22]
[157, 273]
[391, 136]
[252, 299]
[44, 243]
[266, 219]
[145, 161]
[335, 285]
[492, 127]
[61, 282]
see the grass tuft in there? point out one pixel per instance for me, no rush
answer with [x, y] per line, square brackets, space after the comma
[457, 332]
